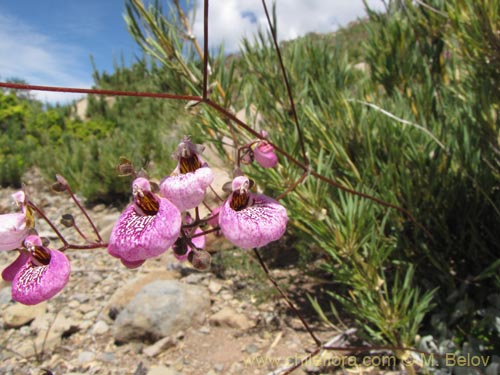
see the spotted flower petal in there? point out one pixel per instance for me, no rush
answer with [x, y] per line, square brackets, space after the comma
[147, 227]
[187, 191]
[251, 220]
[42, 276]
[187, 184]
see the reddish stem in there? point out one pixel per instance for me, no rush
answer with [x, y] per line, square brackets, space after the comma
[19, 86]
[84, 211]
[48, 221]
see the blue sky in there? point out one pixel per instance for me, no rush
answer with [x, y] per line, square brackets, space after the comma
[50, 42]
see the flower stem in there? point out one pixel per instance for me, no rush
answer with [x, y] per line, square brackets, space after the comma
[48, 221]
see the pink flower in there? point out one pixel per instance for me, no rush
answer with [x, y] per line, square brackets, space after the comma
[187, 184]
[264, 155]
[251, 220]
[146, 228]
[14, 227]
[38, 274]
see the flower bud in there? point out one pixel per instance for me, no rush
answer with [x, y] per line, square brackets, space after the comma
[68, 220]
[200, 259]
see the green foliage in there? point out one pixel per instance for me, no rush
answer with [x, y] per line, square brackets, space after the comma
[408, 126]
[142, 130]
[86, 151]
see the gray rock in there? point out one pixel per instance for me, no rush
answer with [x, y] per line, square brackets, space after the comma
[161, 309]
[122, 296]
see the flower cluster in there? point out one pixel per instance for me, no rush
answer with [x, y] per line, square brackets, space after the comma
[157, 219]
[152, 223]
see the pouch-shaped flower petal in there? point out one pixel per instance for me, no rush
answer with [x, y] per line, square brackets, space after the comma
[187, 184]
[147, 227]
[42, 276]
[264, 155]
[187, 191]
[251, 220]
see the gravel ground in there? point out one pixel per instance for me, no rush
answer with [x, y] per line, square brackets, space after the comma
[73, 332]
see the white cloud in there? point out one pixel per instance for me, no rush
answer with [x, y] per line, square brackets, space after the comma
[36, 58]
[230, 20]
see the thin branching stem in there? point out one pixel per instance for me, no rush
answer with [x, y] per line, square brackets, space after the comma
[205, 49]
[293, 186]
[84, 212]
[19, 86]
[283, 294]
[310, 171]
[80, 233]
[90, 246]
[287, 84]
[49, 222]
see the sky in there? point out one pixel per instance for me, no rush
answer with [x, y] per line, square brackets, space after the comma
[50, 42]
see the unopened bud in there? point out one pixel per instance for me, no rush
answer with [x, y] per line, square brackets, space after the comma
[60, 185]
[125, 168]
[180, 247]
[68, 220]
[200, 259]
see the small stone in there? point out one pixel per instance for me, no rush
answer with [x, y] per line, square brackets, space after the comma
[194, 278]
[17, 315]
[214, 287]
[226, 295]
[162, 370]
[85, 357]
[5, 295]
[73, 304]
[251, 348]
[158, 347]
[205, 330]
[100, 328]
[219, 367]
[107, 357]
[227, 317]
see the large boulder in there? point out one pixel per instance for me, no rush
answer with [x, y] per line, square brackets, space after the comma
[162, 308]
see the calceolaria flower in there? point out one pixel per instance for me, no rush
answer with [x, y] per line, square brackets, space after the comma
[264, 154]
[14, 227]
[187, 184]
[38, 274]
[146, 228]
[251, 220]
